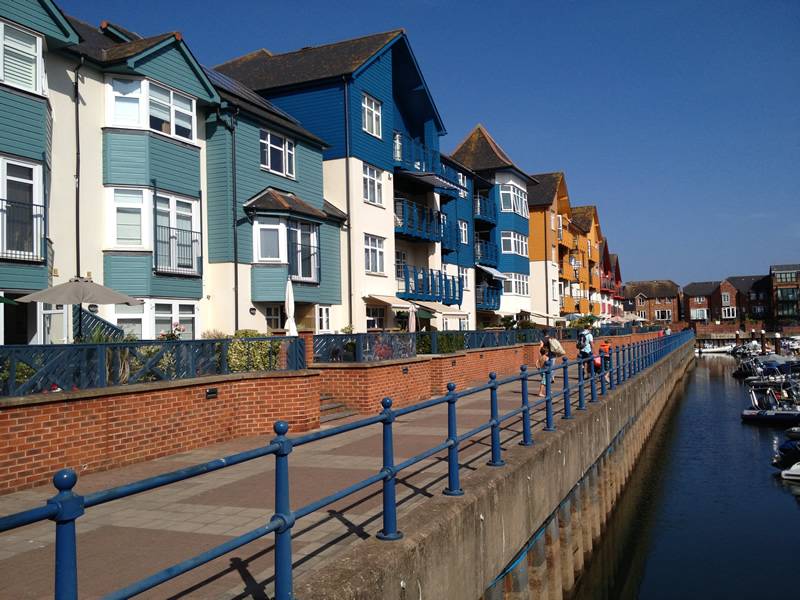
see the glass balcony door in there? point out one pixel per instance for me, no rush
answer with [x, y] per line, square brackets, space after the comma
[21, 214]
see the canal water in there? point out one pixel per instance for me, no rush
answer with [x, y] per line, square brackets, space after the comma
[703, 514]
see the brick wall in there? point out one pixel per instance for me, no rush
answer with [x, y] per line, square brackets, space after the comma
[97, 430]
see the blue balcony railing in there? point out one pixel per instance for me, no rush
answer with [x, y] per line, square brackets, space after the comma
[486, 254]
[417, 221]
[488, 297]
[485, 208]
[449, 237]
[432, 285]
[411, 155]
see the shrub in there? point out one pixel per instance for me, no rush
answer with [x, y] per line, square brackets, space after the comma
[262, 355]
[215, 334]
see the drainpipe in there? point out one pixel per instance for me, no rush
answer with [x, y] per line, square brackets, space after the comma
[547, 273]
[234, 213]
[347, 198]
[77, 98]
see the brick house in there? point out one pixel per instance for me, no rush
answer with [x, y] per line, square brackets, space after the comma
[785, 280]
[658, 301]
[753, 295]
[698, 299]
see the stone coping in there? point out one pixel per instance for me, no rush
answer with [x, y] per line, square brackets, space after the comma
[150, 386]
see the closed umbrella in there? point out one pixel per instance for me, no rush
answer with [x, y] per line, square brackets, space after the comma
[412, 318]
[291, 326]
[77, 291]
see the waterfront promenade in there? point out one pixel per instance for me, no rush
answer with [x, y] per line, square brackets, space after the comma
[128, 539]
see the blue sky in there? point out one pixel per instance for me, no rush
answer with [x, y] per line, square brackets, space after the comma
[680, 120]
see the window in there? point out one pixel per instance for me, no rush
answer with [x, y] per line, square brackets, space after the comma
[399, 264]
[726, 298]
[463, 232]
[553, 254]
[642, 314]
[376, 317]
[513, 199]
[555, 290]
[269, 239]
[560, 227]
[373, 185]
[786, 294]
[371, 115]
[759, 310]
[516, 283]
[786, 277]
[171, 113]
[463, 275]
[640, 300]
[177, 245]
[462, 181]
[20, 59]
[699, 299]
[130, 319]
[728, 312]
[512, 242]
[127, 95]
[277, 153]
[128, 206]
[272, 314]
[303, 251]
[373, 253]
[21, 210]
[699, 314]
[553, 220]
[323, 319]
[663, 315]
[169, 316]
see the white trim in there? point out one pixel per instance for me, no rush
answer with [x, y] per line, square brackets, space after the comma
[40, 77]
[288, 149]
[371, 114]
[37, 199]
[148, 315]
[265, 222]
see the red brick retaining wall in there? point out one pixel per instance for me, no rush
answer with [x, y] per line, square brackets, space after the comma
[101, 429]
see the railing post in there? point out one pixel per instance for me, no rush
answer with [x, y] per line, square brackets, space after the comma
[359, 347]
[565, 384]
[629, 361]
[581, 391]
[70, 507]
[526, 408]
[223, 357]
[548, 400]
[283, 513]
[593, 382]
[497, 458]
[453, 482]
[434, 342]
[389, 531]
[618, 365]
[603, 372]
[102, 372]
[611, 369]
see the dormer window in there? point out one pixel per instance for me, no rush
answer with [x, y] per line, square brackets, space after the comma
[20, 59]
[277, 153]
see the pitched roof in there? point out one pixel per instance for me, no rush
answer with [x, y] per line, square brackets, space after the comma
[543, 193]
[700, 288]
[744, 283]
[262, 70]
[118, 30]
[582, 217]
[103, 49]
[614, 258]
[480, 152]
[656, 288]
[333, 212]
[272, 199]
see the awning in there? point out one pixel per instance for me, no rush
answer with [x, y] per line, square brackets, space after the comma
[392, 301]
[432, 179]
[436, 307]
[493, 272]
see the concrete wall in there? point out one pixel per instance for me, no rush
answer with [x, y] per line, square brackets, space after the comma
[567, 483]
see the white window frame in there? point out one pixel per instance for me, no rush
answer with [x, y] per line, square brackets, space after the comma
[462, 181]
[463, 231]
[372, 185]
[173, 110]
[728, 312]
[400, 261]
[146, 221]
[726, 299]
[148, 315]
[288, 148]
[40, 77]
[642, 314]
[371, 117]
[378, 314]
[273, 223]
[144, 108]
[664, 314]
[699, 299]
[516, 284]
[699, 314]
[376, 244]
[518, 199]
[37, 205]
[518, 243]
[463, 274]
[323, 318]
[173, 199]
[297, 225]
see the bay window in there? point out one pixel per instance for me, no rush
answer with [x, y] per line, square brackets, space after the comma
[303, 251]
[128, 208]
[126, 101]
[512, 242]
[277, 153]
[21, 64]
[178, 241]
[514, 199]
[22, 223]
[144, 104]
[516, 284]
[171, 113]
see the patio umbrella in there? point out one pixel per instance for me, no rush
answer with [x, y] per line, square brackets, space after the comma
[4, 300]
[290, 326]
[572, 317]
[617, 319]
[77, 291]
[412, 319]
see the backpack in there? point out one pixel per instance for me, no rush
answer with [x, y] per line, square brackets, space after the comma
[556, 347]
[581, 343]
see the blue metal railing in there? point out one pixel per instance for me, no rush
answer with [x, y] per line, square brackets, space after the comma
[417, 221]
[450, 236]
[486, 254]
[70, 367]
[485, 208]
[488, 297]
[613, 370]
[421, 283]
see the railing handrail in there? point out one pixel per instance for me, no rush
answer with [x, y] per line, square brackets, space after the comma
[621, 364]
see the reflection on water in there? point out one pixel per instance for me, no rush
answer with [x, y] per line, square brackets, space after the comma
[704, 514]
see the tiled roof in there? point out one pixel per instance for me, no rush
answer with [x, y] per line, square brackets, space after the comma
[272, 199]
[263, 70]
[582, 217]
[131, 35]
[745, 283]
[480, 152]
[102, 49]
[657, 288]
[700, 288]
[543, 193]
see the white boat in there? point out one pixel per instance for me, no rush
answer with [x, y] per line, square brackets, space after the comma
[714, 349]
[792, 473]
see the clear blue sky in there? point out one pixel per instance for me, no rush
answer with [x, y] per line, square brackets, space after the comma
[680, 120]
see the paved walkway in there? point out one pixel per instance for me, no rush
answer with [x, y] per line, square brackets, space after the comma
[128, 539]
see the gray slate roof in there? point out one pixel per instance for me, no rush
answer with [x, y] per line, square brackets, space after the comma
[271, 199]
[745, 283]
[101, 48]
[773, 268]
[700, 288]
[543, 193]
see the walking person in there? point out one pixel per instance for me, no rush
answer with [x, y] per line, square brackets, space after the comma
[605, 349]
[554, 347]
[584, 346]
[541, 363]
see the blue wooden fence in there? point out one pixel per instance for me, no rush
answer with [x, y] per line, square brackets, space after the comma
[622, 363]
[68, 367]
[93, 325]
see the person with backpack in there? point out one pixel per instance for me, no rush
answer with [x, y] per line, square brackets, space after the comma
[584, 346]
[554, 347]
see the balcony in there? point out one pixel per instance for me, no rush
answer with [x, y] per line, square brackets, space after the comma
[488, 297]
[607, 284]
[178, 251]
[486, 254]
[22, 231]
[485, 208]
[421, 283]
[411, 155]
[450, 237]
[417, 221]
[568, 305]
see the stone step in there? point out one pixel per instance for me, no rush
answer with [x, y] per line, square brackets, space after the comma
[333, 411]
